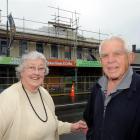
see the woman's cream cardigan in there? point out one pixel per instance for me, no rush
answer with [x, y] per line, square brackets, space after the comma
[13, 125]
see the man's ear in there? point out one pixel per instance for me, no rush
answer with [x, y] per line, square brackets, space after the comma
[99, 59]
[131, 57]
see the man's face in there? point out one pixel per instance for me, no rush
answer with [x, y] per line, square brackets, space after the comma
[115, 59]
[33, 73]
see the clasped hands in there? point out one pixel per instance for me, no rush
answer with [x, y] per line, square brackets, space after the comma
[79, 126]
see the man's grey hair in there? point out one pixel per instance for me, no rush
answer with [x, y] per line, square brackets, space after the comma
[115, 38]
[30, 56]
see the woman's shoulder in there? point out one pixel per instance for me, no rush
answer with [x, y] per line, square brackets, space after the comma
[44, 91]
[9, 100]
[10, 93]
[46, 94]
[47, 97]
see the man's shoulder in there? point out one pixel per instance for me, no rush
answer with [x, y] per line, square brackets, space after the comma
[136, 76]
[96, 85]
[135, 84]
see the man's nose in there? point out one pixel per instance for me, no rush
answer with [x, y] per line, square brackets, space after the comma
[111, 58]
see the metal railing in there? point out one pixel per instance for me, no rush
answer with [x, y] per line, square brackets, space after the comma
[44, 28]
[58, 85]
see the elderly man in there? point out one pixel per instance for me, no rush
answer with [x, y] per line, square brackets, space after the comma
[113, 109]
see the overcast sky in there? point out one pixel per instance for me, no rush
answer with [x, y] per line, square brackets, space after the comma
[116, 17]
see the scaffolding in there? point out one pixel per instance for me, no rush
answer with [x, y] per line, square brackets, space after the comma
[69, 25]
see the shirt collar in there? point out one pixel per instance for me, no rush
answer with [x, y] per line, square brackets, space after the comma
[124, 84]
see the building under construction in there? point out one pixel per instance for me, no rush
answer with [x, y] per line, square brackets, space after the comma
[72, 55]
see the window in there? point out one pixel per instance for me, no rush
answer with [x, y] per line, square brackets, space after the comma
[67, 52]
[79, 53]
[23, 47]
[91, 57]
[3, 47]
[54, 50]
[39, 47]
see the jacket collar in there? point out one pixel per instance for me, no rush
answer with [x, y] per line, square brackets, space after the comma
[132, 88]
[124, 84]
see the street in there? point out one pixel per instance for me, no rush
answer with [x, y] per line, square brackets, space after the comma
[71, 111]
[73, 136]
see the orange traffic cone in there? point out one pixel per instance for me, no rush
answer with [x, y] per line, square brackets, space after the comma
[72, 94]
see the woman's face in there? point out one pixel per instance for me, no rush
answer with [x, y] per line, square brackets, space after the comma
[32, 75]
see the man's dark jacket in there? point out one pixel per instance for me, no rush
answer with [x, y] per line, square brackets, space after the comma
[122, 116]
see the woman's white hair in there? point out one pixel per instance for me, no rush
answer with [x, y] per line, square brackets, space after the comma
[30, 56]
[115, 38]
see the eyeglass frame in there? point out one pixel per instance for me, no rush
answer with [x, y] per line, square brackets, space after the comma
[33, 69]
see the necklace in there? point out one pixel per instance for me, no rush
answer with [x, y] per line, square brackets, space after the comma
[33, 107]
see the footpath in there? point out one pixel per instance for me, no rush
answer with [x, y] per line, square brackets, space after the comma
[70, 108]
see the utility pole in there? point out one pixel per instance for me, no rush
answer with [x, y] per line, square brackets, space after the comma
[0, 15]
[7, 38]
[75, 47]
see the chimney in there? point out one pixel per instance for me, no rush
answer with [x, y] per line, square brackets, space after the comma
[134, 48]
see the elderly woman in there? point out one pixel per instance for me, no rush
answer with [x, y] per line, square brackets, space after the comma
[27, 110]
